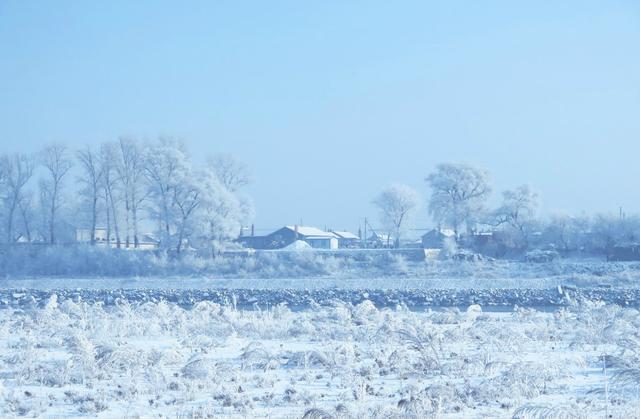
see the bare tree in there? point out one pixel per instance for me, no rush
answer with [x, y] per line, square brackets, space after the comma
[57, 163]
[397, 205]
[92, 180]
[232, 174]
[18, 170]
[458, 194]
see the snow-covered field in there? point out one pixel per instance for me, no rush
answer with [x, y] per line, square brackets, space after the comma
[63, 357]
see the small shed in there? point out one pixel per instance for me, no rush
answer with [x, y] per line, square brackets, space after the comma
[346, 239]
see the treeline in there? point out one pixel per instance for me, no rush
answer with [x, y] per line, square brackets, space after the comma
[125, 187]
[459, 195]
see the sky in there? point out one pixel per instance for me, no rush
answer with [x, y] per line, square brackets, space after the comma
[328, 102]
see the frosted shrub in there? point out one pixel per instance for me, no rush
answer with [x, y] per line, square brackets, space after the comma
[218, 360]
[391, 263]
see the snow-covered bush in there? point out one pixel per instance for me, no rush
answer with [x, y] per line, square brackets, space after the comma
[71, 357]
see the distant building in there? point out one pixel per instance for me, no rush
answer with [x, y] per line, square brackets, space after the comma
[624, 252]
[314, 237]
[346, 239]
[84, 235]
[149, 242]
[435, 239]
[146, 241]
[381, 241]
[482, 239]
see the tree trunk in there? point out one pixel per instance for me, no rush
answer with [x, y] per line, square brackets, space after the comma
[134, 214]
[94, 219]
[126, 222]
[180, 236]
[12, 208]
[108, 214]
[25, 221]
[51, 225]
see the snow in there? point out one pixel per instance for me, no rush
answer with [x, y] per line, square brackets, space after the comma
[345, 234]
[297, 246]
[75, 358]
[311, 231]
[465, 340]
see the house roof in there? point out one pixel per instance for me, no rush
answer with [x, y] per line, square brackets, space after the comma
[311, 232]
[345, 235]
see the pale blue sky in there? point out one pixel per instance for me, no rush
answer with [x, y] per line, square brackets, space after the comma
[329, 101]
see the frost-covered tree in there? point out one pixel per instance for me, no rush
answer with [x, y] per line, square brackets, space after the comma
[110, 197]
[18, 170]
[57, 163]
[187, 194]
[569, 232]
[3, 174]
[232, 174]
[130, 170]
[397, 205]
[92, 184]
[458, 194]
[166, 165]
[26, 209]
[517, 214]
[608, 230]
[220, 214]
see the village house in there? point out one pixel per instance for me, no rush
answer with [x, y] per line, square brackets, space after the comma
[146, 241]
[347, 239]
[314, 237]
[381, 241]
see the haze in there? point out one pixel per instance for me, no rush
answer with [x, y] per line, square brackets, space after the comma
[329, 102]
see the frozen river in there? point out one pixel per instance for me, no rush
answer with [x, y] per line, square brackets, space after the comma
[300, 293]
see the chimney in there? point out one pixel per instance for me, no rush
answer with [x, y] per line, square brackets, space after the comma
[253, 230]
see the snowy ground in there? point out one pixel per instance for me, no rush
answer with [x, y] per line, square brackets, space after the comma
[487, 340]
[66, 357]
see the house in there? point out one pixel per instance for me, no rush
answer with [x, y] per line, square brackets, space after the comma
[146, 241]
[149, 242]
[36, 238]
[624, 252]
[381, 241]
[346, 239]
[254, 242]
[84, 234]
[314, 237]
[436, 238]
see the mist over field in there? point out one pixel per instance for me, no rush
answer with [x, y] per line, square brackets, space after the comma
[319, 211]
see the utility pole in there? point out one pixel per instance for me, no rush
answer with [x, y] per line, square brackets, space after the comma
[365, 232]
